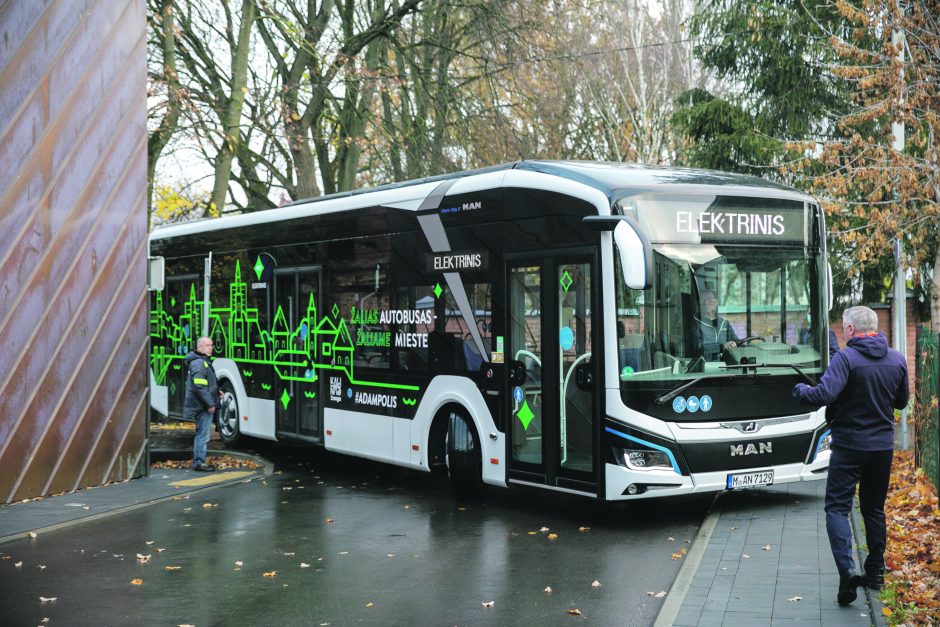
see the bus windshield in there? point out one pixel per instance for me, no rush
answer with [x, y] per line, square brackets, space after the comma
[715, 306]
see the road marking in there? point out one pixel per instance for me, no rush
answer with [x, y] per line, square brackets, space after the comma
[215, 477]
[680, 587]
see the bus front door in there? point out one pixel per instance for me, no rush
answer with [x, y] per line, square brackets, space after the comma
[553, 378]
[296, 386]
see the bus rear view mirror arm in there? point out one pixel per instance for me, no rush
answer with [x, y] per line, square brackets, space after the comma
[635, 249]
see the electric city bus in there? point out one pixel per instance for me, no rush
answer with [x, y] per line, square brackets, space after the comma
[539, 323]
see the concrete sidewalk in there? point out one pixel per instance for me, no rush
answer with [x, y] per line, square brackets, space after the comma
[762, 557]
[55, 512]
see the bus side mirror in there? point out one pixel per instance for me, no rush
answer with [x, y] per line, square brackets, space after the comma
[156, 274]
[636, 255]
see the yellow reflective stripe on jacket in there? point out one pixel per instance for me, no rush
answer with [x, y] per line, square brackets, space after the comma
[200, 381]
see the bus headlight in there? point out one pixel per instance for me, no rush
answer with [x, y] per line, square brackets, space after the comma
[825, 442]
[643, 459]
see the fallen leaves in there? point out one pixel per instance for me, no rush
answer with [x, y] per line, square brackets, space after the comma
[31, 534]
[47, 599]
[595, 584]
[548, 590]
[795, 599]
[221, 462]
[766, 547]
[270, 574]
[679, 555]
[137, 582]
[209, 505]
[172, 567]
[143, 559]
[913, 551]
[573, 611]
[553, 536]
[488, 603]
[657, 595]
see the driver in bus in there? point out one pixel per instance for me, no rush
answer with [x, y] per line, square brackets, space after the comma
[714, 334]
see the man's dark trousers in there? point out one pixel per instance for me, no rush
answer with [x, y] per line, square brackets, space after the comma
[871, 470]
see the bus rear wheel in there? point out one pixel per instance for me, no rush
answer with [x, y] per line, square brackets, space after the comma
[464, 456]
[227, 415]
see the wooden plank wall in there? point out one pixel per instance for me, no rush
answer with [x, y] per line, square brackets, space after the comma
[73, 244]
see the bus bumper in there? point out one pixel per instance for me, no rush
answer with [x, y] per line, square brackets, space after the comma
[654, 483]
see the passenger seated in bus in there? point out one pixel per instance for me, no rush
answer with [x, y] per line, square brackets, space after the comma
[712, 334]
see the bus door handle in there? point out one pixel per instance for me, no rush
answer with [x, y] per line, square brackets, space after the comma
[584, 377]
[516, 372]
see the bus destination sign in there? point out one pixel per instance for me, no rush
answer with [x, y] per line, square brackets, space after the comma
[772, 222]
[459, 262]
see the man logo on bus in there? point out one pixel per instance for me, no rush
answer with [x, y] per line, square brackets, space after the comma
[760, 449]
[749, 427]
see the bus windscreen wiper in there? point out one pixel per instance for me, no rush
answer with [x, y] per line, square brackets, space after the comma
[671, 394]
[754, 366]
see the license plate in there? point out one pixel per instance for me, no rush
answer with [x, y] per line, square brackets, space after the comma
[750, 479]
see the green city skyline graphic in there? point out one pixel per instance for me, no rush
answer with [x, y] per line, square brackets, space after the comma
[316, 344]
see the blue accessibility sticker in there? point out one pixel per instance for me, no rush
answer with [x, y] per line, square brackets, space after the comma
[693, 404]
[705, 403]
[517, 394]
[678, 404]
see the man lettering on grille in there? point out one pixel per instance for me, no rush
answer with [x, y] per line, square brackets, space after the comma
[864, 383]
[202, 397]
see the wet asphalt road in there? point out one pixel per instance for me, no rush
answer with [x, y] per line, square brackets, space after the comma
[353, 542]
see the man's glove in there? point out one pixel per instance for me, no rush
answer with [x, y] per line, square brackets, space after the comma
[798, 390]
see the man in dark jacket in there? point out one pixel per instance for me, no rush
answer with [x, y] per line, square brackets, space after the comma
[864, 383]
[713, 334]
[202, 396]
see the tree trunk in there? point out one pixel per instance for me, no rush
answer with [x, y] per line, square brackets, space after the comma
[935, 295]
[231, 127]
[161, 137]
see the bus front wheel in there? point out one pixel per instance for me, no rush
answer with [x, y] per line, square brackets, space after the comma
[227, 415]
[464, 461]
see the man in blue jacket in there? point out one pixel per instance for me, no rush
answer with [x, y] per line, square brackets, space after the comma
[864, 383]
[202, 396]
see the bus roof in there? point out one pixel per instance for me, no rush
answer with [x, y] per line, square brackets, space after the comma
[613, 179]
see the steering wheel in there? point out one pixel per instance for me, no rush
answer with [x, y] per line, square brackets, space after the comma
[749, 339]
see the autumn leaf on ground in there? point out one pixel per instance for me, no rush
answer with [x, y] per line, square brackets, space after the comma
[209, 505]
[370, 604]
[17, 564]
[543, 529]
[47, 599]
[137, 582]
[149, 542]
[41, 566]
[595, 584]
[584, 529]
[548, 589]
[172, 567]
[272, 573]
[553, 536]
[746, 556]
[31, 534]
[766, 547]
[239, 564]
[488, 603]
[657, 595]
[329, 521]
[304, 565]
[143, 559]
[574, 611]
[795, 599]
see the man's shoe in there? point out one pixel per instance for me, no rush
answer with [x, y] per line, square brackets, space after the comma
[203, 467]
[848, 582]
[873, 581]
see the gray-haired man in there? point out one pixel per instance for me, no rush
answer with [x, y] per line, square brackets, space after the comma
[864, 383]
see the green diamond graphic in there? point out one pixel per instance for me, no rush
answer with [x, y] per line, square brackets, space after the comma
[335, 310]
[566, 280]
[285, 398]
[437, 290]
[259, 267]
[172, 388]
[525, 415]
[172, 301]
